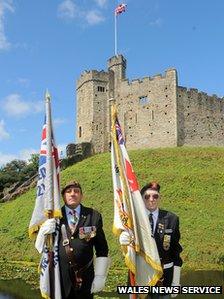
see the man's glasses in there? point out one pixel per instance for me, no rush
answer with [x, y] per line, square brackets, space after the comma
[153, 196]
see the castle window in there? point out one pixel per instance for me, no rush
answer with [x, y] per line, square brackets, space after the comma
[80, 132]
[152, 115]
[143, 100]
[100, 88]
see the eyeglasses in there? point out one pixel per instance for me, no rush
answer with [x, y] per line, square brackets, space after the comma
[153, 196]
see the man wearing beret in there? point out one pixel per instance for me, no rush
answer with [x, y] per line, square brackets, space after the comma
[81, 231]
[165, 230]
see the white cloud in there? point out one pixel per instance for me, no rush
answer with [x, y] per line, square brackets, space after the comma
[59, 121]
[25, 154]
[37, 106]
[3, 133]
[5, 5]
[14, 105]
[101, 3]
[67, 9]
[94, 17]
[23, 81]
[5, 158]
[156, 23]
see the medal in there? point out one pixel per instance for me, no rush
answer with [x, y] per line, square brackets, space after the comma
[87, 232]
[166, 242]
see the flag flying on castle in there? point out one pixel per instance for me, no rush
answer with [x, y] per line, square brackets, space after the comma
[120, 8]
[141, 256]
[47, 205]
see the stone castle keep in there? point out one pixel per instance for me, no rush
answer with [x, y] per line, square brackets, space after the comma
[153, 111]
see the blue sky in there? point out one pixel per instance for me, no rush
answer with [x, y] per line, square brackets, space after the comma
[49, 43]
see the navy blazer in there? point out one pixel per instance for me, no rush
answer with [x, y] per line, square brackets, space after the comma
[83, 249]
[167, 237]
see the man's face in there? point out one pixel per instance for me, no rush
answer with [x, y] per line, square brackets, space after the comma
[151, 199]
[72, 197]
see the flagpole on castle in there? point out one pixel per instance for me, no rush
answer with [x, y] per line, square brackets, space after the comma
[115, 33]
[118, 10]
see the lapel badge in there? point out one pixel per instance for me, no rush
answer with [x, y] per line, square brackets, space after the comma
[87, 232]
[160, 228]
[166, 242]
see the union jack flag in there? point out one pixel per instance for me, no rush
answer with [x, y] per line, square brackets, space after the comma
[48, 202]
[119, 132]
[120, 8]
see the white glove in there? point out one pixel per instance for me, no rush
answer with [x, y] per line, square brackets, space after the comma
[176, 279]
[48, 227]
[101, 269]
[125, 238]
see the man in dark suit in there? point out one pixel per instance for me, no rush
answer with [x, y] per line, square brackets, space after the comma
[165, 230]
[81, 231]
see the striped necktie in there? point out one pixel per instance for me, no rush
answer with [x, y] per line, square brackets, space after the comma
[151, 223]
[73, 220]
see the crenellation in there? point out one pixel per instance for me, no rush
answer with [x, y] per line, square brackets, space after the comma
[158, 76]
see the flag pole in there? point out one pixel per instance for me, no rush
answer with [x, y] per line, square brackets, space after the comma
[115, 33]
[49, 200]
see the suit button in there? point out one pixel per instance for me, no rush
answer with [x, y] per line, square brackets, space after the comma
[72, 238]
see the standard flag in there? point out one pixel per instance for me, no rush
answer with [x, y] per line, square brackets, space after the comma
[47, 205]
[120, 8]
[141, 256]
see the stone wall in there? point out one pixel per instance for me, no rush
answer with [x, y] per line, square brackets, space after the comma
[147, 111]
[200, 118]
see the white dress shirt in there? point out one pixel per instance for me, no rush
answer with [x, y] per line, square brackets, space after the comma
[155, 215]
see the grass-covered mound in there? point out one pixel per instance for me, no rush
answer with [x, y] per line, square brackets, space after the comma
[192, 186]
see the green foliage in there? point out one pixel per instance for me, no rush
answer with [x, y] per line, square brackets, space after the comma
[34, 161]
[192, 184]
[18, 171]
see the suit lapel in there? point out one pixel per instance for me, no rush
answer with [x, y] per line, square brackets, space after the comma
[82, 217]
[161, 224]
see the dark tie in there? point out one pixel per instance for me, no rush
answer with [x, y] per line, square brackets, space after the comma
[151, 222]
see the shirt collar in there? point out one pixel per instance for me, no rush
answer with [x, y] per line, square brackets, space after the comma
[154, 213]
[77, 209]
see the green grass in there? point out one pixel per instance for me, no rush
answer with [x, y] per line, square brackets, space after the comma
[192, 186]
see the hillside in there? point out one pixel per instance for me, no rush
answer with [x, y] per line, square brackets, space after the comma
[192, 185]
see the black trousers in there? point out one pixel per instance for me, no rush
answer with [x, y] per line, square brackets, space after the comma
[81, 294]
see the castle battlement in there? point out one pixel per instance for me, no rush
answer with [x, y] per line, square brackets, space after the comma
[92, 75]
[195, 91]
[169, 74]
[116, 60]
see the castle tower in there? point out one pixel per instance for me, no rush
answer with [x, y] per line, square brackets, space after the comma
[117, 70]
[92, 101]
